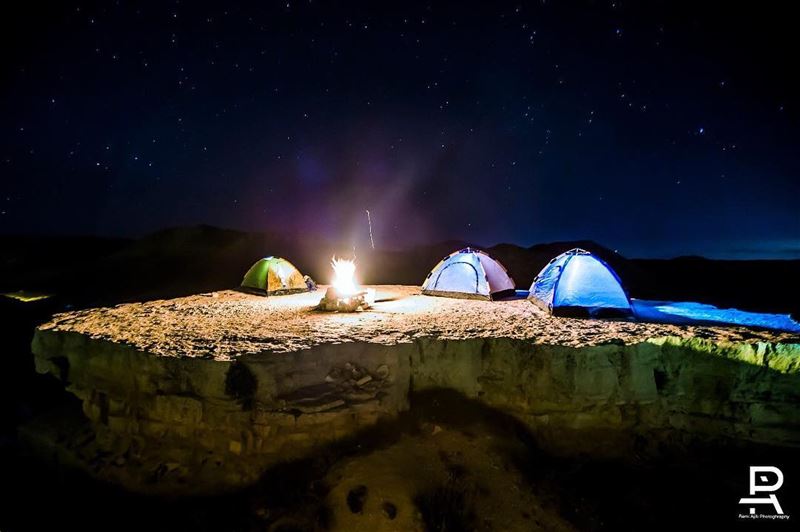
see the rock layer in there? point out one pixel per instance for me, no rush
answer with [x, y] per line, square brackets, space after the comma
[207, 392]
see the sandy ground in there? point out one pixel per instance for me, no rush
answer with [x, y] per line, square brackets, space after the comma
[227, 324]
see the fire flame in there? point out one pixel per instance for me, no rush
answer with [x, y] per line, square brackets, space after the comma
[344, 276]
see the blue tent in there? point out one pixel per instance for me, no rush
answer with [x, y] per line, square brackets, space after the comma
[469, 273]
[577, 283]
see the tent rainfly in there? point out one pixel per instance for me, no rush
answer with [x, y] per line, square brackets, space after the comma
[469, 273]
[577, 283]
[274, 276]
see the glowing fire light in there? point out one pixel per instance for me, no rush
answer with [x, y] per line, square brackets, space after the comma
[344, 295]
[344, 277]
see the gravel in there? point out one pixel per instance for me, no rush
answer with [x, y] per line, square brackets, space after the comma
[227, 324]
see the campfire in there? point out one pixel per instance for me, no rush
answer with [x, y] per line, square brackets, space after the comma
[344, 294]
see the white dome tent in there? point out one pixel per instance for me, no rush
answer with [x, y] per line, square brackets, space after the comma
[577, 283]
[469, 273]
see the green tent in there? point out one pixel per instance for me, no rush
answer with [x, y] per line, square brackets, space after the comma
[274, 276]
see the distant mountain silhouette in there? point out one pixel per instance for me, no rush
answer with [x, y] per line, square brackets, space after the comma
[184, 260]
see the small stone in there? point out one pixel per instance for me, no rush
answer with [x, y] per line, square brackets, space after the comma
[361, 396]
[382, 371]
[363, 380]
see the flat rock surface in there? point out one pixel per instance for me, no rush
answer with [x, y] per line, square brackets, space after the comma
[224, 325]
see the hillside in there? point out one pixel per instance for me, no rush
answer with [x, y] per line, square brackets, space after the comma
[85, 271]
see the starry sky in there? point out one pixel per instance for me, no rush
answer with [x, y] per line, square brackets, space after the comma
[655, 128]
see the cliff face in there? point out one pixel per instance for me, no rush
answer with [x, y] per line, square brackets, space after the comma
[614, 399]
[219, 423]
[204, 393]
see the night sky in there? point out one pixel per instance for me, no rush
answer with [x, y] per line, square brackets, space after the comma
[654, 128]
